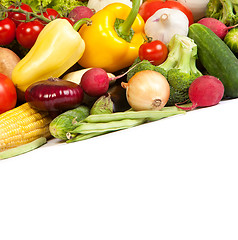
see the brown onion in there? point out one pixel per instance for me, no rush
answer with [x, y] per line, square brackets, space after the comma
[147, 90]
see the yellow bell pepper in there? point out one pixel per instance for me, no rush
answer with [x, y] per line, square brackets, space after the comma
[58, 47]
[104, 47]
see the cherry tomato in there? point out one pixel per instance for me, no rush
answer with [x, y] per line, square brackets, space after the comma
[8, 94]
[50, 13]
[155, 51]
[27, 33]
[149, 7]
[7, 31]
[19, 17]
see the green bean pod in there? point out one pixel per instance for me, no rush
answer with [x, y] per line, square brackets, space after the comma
[148, 115]
[81, 137]
[86, 128]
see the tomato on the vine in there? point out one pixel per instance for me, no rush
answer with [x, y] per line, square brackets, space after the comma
[8, 94]
[155, 51]
[27, 33]
[149, 7]
[50, 14]
[7, 31]
[19, 17]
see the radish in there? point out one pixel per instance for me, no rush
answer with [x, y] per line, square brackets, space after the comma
[80, 12]
[205, 91]
[95, 81]
[218, 27]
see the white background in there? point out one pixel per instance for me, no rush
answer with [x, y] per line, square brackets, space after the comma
[176, 178]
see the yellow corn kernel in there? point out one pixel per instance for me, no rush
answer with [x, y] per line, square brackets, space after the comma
[22, 125]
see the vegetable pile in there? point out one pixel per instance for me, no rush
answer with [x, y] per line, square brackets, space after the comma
[73, 70]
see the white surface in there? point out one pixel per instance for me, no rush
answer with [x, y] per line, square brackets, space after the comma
[176, 178]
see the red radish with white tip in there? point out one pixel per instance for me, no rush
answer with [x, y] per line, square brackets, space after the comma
[95, 81]
[218, 27]
[205, 91]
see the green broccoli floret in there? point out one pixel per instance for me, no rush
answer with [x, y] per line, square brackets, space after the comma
[214, 9]
[181, 67]
[185, 71]
[173, 56]
[176, 97]
[224, 10]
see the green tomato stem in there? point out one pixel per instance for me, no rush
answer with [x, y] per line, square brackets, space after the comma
[28, 14]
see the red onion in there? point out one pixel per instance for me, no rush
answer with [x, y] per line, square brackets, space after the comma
[54, 94]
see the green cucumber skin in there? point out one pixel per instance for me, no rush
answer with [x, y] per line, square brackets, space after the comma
[216, 57]
[67, 121]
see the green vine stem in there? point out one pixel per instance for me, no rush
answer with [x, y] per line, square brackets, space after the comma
[30, 16]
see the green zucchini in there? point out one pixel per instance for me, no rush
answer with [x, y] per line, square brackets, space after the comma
[216, 57]
[68, 121]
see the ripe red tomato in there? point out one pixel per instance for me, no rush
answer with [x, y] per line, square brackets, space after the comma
[149, 7]
[51, 14]
[8, 95]
[27, 33]
[7, 31]
[19, 17]
[155, 51]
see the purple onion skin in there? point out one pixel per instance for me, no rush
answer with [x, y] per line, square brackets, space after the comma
[54, 94]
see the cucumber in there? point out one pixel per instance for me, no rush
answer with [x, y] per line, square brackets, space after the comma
[67, 121]
[216, 57]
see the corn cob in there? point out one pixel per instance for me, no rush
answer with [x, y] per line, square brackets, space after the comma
[22, 125]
